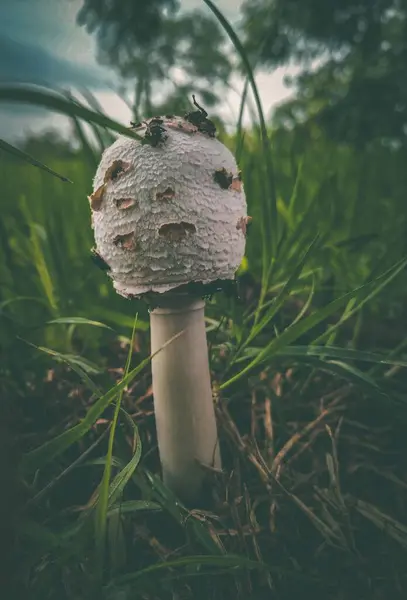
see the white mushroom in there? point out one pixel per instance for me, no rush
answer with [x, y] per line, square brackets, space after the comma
[168, 214]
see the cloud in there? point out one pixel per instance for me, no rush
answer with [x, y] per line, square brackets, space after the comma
[31, 63]
[41, 43]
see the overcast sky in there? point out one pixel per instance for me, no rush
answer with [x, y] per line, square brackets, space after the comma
[41, 42]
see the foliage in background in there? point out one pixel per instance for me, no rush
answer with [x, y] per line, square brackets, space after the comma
[308, 371]
[153, 42]
[353, 56]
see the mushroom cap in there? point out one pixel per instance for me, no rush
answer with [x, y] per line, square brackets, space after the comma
[168, 212]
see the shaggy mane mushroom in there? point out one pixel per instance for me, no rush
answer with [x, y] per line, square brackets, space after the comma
[164, 214]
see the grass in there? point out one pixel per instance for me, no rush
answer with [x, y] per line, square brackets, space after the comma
[308, 380]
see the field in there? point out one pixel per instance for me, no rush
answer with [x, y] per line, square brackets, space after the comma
[308, 379]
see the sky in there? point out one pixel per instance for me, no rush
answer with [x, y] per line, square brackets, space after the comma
[40, 42]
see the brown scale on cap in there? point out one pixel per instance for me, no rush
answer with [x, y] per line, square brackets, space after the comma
[182, 125]
[243, 224]
[236, 184]
[166, 195]
[95, 199]
[124, 203]
[116, 169]
[126, 241]
[187, 127]
[175, 232]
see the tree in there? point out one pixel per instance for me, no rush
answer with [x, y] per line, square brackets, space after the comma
[358, 91]
[48, 144]
[147, 42]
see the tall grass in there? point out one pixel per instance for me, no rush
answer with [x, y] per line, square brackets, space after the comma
[290, 368]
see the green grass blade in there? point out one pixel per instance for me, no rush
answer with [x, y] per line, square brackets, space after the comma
[38, 256]
[348, 372]
[278, 302]
[50, 450]
[30, 160]
[355, 375]
[384, 522]
[82, 137]
[289, 246]
[105, 137]
[196, 528]
[344, 370]
[293, 332]
[77, 321]
[103, 500]
[80, 365]
[120, 319]
[285, 292]
[222, 561]
[123, 477]
[29, 94]
[270, 207]
[292, 204]
[239, 128]
[134, 506]
[307, 304]
[334, 352]
[364, 296]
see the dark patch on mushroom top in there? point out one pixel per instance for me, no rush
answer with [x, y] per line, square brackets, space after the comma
[137, 125]
[116, 169]
[176, 231]
[223, 178]
[199, 118]
[126, 241]
[167, 194]
[207, 290]
[155, 133]
[98, 260]
[196, 289]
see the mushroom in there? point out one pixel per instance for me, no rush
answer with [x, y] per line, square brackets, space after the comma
[167, 230]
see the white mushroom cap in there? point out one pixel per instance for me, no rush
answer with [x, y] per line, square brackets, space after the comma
[168, 214]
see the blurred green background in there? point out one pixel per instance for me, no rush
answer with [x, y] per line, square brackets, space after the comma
[311, 96]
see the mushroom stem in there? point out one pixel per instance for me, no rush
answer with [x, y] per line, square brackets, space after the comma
[183, 403]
